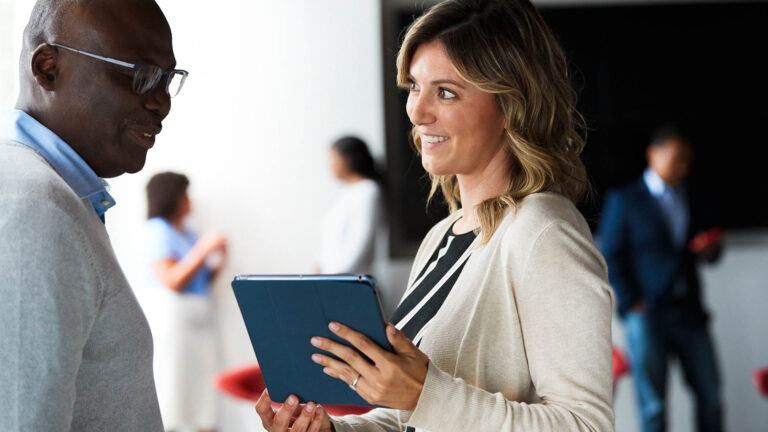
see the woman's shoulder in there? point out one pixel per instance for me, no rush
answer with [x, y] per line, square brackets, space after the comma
[537, 212]
[547, 207]
[363, 189]
[157, 223]
[159, 227]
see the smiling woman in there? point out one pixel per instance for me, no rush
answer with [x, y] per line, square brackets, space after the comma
[507, 309]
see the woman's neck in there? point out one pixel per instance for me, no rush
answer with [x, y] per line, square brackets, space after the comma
[490, 182]
[353, 178]
[177, 222]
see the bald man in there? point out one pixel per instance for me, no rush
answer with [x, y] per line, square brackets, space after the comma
[76, 352]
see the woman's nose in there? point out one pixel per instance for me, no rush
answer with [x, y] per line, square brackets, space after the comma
[419, 109]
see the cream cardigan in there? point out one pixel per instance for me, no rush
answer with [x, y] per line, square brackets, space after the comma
[523, 341]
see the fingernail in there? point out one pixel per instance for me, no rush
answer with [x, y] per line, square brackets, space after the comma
[310, 407]
[317, 358]
[292, 400]
[334, 326]
[327, 370]
[391, 329]
[315, 341]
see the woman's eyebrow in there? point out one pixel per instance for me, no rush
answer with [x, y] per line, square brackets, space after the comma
[447, 81]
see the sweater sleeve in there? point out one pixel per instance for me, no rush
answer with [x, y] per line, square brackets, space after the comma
[48, 307]
[564, 307]
[377, 420]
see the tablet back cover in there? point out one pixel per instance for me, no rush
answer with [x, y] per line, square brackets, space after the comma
[282, 313]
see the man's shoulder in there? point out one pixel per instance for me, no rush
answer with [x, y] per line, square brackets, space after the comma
[631, 188]
[26, 177]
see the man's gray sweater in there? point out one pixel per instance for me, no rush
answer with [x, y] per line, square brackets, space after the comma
[75, 348]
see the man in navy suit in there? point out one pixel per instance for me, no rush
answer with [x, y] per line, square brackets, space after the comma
[653, 232]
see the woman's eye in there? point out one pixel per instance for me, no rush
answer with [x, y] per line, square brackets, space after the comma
[446, 94]
[413, 86]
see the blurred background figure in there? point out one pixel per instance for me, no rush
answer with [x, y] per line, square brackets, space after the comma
[350, 226]
[653, 232]
[175, 296]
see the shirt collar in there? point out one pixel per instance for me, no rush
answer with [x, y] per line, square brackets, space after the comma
[19, 126]
[655, 184]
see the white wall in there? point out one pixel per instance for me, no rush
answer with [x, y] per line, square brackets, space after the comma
[271, 84]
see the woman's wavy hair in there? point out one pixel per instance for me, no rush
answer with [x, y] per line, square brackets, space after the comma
[504, 47]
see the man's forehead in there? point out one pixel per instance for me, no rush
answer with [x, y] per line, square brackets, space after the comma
[133, 31]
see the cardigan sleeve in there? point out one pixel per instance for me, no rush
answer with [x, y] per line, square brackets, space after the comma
[377, 420]
[564, 305]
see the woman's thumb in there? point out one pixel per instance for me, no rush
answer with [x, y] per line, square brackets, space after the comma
[398, 340]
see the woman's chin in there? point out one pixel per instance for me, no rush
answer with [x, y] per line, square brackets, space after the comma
[434, 168]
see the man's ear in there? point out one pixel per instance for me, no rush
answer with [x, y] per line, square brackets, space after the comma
[44, 66]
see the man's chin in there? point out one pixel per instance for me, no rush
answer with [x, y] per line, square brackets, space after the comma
[129, 167]
[137, 167]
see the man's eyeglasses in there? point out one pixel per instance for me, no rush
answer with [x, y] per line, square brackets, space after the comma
[145, 77]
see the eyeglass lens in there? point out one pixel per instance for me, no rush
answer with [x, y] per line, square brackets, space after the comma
[146, 77]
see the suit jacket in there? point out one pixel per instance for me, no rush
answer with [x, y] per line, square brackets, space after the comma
[643, 262]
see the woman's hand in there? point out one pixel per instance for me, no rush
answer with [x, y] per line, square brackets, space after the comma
[395, 379]
[292, 416]
[210, 243]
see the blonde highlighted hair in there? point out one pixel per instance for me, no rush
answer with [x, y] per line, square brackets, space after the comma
[504, 48]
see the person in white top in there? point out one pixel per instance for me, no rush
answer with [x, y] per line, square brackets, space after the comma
[349, 229]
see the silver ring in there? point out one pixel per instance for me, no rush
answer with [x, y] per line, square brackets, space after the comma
[354, 383]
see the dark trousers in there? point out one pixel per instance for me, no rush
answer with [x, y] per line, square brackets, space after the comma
[654, 338]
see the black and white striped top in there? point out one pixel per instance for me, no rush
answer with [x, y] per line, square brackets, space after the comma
[429, 290]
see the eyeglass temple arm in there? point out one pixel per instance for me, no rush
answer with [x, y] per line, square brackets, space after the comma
[106, 59]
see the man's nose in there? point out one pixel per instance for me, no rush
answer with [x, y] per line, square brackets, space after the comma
[158, 101]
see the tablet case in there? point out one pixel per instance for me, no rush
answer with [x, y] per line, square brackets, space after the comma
[283, 312]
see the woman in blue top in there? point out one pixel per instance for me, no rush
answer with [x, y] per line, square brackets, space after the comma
[178, 308]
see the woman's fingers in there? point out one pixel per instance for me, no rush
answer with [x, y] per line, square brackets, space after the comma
[398, 340]
[320, 421]
[264, 409]
[301, 424]
[350, 358]
[335, 368]
[359, 341]
[281, 422]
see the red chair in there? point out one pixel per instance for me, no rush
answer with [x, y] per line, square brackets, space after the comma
[620, 365]
[247, 384]
[760, 377]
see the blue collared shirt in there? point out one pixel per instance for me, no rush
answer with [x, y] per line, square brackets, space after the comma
[673, 205]
[19, 126]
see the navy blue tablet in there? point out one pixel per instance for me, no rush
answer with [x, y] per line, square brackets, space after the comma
[283, 312]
